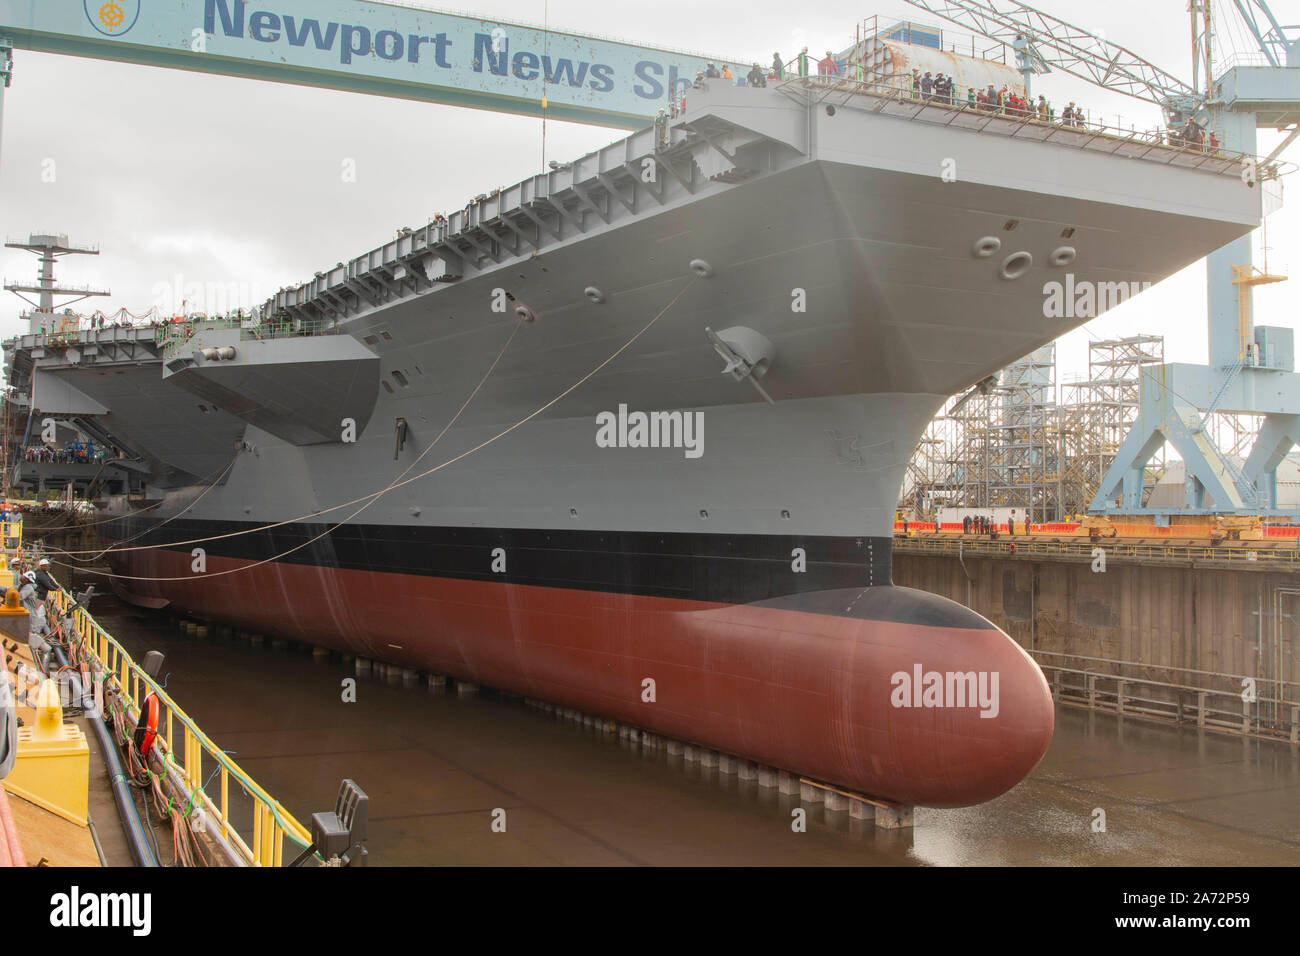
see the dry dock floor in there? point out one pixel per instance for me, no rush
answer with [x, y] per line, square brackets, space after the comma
[436, 767]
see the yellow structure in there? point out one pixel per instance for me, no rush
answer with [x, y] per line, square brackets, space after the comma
[53, 768]
[11, 532]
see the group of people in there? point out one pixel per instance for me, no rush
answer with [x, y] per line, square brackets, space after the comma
[757, 76]
[1190, 134]
[940, 88]
[34, 586]
[929, 88]
[72, 453]
[987, 524]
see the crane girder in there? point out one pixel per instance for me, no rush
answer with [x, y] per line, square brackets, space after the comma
[1276, 41]
[1068, 48]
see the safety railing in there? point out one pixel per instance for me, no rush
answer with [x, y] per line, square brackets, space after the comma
[271, 823]
[177, 336]
[1235, 553]
[1232, 703]
[1159, 143]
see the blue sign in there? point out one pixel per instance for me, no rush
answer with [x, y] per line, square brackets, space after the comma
[371, 47]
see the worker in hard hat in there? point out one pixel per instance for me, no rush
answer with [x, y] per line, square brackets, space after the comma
[45, 582]
[37, 628]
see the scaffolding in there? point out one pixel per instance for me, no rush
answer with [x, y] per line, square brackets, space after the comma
[1024, 442]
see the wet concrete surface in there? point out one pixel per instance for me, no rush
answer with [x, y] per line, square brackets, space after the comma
[437, 766]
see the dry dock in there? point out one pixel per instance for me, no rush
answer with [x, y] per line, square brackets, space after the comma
[1191, 632]
[437, 766]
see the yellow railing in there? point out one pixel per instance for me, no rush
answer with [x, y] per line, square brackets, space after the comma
[271, 821]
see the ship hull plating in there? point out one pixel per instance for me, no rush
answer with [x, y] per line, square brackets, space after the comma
[811, 682]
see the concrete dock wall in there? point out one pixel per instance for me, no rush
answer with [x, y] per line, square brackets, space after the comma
[1223, 620]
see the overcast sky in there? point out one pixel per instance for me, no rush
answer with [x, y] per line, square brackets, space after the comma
[185, 178]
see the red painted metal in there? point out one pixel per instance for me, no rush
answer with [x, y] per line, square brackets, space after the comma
[799, 691]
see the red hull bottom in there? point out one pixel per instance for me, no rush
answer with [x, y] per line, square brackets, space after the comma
[815, 693]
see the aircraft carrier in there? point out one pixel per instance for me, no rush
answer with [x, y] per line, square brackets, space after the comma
[411, 456]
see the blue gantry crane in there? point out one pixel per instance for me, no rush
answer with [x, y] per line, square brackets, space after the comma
[1252, 368]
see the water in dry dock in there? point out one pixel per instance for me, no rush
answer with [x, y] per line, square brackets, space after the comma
[437, 766]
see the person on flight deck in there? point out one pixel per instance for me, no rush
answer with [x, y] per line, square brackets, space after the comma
[971, 98]
[927, 87]
[965, 525]
[827, 66]
[1011, 523]
[699, 81]
[726, 72]
[756, 76]
[711, 72]
[778, 68]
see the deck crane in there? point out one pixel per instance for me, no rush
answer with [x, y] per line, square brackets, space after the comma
[1252, 370]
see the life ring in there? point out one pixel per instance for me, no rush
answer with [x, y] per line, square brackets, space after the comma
[146, 729]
